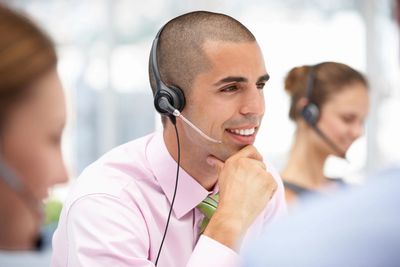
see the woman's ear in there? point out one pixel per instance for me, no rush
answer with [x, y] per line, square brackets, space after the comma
[303, 101]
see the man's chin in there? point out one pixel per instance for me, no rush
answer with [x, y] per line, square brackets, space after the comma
[228, 151]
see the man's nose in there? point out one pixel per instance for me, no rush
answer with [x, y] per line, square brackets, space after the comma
[253, 102]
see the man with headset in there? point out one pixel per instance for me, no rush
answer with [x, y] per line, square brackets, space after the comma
[141, 203]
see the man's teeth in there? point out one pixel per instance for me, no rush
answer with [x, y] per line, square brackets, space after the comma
[243, 131]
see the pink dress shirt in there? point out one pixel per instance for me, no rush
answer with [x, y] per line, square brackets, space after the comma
[116, 212]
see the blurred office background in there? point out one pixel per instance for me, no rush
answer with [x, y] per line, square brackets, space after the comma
[104, 45]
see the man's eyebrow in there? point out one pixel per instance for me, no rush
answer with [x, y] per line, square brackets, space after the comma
[263, 78]
[231, 79]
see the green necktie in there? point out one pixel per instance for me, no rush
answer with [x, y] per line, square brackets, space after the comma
[208, 207]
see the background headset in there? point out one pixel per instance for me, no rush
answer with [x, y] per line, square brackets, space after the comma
[311, 113]
[167, 98]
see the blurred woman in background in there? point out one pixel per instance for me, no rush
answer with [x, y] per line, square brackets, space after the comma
[329, 103]
[32, 118]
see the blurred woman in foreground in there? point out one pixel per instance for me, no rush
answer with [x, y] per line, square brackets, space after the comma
[32, 118]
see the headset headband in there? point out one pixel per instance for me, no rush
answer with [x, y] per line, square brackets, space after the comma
[310, 83]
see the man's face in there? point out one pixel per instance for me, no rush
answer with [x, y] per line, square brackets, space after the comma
[227, 100]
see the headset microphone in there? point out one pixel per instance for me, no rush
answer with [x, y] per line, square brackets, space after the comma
[198, 130]
[311, 114]
[329, 142]
[165, 105]
[12, 180]
[27, 197]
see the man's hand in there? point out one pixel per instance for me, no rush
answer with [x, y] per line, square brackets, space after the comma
[245, 188]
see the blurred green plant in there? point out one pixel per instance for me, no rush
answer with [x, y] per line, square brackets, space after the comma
[52, 211]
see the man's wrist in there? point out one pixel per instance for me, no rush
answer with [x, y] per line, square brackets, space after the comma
[226, 230]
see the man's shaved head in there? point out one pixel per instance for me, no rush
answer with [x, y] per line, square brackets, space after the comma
[180, 53]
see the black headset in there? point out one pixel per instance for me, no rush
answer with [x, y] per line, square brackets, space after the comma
[310, 112]
[167, 98]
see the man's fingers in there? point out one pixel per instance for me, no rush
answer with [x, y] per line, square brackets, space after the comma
[262, 165]
[249, 152]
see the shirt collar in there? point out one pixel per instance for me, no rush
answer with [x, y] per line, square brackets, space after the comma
[189, 192]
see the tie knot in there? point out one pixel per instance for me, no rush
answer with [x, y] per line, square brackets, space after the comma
[208, 207]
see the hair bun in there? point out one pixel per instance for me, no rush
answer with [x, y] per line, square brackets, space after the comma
[295, 80]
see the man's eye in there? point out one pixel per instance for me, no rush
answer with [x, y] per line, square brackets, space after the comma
[228, 89]
[260, 86]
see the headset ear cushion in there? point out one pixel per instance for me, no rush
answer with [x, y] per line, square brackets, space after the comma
[175, 96]
[310, 114]
[178, 97]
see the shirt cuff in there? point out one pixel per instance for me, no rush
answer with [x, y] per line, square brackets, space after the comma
[209, 252]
